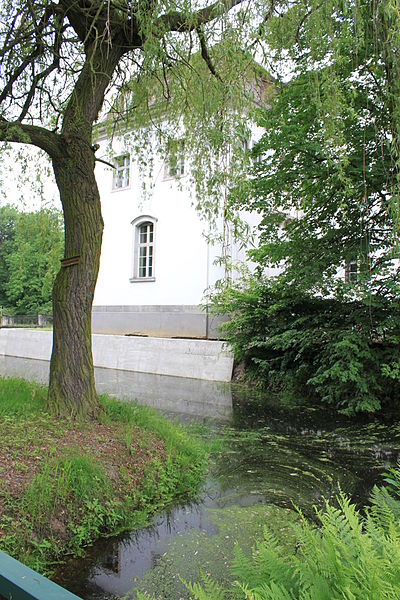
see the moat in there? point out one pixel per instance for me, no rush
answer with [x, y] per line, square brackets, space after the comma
[270, 459]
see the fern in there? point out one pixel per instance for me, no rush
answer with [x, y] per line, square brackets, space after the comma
[266, 564]
[349, 556]
[208, 590]
[266, 592]
[343, 560]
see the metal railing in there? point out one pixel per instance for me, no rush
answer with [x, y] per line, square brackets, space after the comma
[27, 321]
[18, 582]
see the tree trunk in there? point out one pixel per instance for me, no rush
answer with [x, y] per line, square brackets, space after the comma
[71, 387]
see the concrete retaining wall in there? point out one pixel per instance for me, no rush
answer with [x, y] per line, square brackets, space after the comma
[184, 321]
[197, 359]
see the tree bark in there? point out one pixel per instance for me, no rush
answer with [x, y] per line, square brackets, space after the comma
[72, 387]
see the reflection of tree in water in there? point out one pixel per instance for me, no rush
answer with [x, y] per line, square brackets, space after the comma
[112, 560]
[299, 455]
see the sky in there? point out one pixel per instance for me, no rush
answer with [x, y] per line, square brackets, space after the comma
[26, 179]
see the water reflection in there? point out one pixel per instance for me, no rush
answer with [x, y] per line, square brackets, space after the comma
[261, 465]
[175, 396]
[112, 567]
[271, 455]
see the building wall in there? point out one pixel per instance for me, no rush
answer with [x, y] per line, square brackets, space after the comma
[183, 261]
[196, 359]
[186, 264]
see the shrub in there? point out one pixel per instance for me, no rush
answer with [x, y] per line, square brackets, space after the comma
[344, 352]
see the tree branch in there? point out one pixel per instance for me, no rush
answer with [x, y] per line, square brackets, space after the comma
[204, 53]
[37, 51]
[304, 19]
[177, 21]
[13, 131]
[35, 80]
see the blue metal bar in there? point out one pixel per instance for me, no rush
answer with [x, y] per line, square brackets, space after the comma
[18, 582]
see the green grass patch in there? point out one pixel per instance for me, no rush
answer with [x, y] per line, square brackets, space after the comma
[21, 398]
[64, 484]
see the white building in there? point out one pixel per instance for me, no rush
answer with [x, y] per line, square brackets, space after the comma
[156, 261]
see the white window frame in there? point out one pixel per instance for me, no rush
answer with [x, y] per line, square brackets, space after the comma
[122, 172]
[144, 249]
[174, 166]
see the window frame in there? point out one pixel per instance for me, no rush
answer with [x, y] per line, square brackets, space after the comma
[174, 165]
[351, 271]
[138, 244]
[121, 169]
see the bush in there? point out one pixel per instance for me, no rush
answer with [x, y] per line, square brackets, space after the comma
[344, 352]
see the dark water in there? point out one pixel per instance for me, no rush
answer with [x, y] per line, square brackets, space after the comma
[271, 455]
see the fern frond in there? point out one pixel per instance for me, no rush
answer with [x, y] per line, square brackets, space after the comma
[273, 591]
[207, 590]
[384, 507]
[243, 567]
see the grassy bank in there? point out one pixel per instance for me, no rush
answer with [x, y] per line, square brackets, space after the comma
[63, 484]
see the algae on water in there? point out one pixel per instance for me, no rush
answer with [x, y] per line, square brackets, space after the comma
[194, 554]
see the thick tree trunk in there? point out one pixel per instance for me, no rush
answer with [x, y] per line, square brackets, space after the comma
[71, 386]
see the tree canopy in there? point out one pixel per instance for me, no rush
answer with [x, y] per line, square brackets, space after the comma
[64, 63]
[325, 184]
[31, 245]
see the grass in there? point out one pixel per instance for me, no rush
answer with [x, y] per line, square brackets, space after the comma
[64, 484]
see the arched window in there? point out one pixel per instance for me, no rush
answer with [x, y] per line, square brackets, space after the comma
[144, 244]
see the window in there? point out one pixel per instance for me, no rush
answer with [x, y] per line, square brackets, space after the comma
[175, 166]
[121, 172]
[143, 255]
[351, 271]
[145, 250]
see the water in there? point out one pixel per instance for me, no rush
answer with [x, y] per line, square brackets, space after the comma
[272, 457]
[188, 399]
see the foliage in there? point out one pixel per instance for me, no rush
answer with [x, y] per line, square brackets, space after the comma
[206, 590]
[347, 46]
[318, 211]
[63, 65]
[204, 559]
[347, 555]
[324, 180]
[323, 185]
[8, 216]
[187, 455]
[31, 246]
[335, 350]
